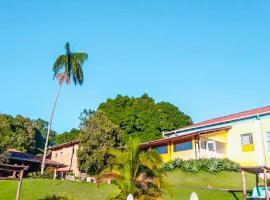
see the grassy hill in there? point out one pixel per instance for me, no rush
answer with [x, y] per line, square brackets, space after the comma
[180, 186]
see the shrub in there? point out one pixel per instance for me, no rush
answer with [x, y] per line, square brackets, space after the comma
[193, 166]
[212, 165]
[168, 166]
[229, 165]
[48, 173]
[177, 163]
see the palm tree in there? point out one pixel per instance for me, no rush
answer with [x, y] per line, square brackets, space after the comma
[66, 66]
[135, 172]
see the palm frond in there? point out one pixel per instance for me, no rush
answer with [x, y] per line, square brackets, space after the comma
[59, 64]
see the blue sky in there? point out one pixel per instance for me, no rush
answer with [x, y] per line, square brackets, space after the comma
[209, 58]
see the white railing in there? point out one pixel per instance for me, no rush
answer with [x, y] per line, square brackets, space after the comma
[204, 153]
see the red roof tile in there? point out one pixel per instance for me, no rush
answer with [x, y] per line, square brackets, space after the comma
[228, 118]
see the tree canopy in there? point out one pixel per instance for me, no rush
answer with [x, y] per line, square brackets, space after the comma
[67, 136]
[23, 133]
[143, 117]
[98, 135]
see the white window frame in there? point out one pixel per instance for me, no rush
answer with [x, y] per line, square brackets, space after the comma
[214, 145]
[267, 140]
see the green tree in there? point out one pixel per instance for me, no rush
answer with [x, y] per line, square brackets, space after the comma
[98, 135]
[142, 117]
[66, 66]
[41, 127]
[23, 133]
[136, 172]
[73, 134]
[17, 132]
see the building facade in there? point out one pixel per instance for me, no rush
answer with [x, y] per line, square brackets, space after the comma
[67, 154]
[242, 137]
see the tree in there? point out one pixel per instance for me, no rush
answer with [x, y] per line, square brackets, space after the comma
[66, 66]
[73, 134]
[41, 127]
[98, 135]
[23, 133]
[142, 117]
[135, 171]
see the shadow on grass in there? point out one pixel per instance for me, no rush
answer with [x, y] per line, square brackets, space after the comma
[55, 197]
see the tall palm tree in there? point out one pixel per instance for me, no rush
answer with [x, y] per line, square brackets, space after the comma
[67, 66]
[135, 172]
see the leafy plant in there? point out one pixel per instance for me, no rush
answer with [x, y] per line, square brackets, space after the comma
[136, 172]
[211, 165]
[191, 166]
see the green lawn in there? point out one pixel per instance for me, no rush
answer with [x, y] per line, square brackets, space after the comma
[180, 186]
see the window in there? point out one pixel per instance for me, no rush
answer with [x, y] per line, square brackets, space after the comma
[56, 155]
[268, 140]
[246, 139]
[162, 149]
[211, 146]
[247, 142]
[183, 146]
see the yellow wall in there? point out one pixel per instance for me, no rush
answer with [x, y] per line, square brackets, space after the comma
[171, 155]
[234, 147]
[185, 155]
[244, 155]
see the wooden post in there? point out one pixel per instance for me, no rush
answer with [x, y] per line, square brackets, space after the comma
[257, 180]
[195, 143]
[54, 174]
[265, 184]
[19, 185]
[244, 185]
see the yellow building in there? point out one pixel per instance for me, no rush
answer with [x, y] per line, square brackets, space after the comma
[242, 137]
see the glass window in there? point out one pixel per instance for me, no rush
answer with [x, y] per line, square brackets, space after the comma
[183, 146]
[246, 139]
[162, 149]
[211, 146]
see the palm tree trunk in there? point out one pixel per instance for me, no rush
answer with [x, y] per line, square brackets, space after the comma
[49, 129]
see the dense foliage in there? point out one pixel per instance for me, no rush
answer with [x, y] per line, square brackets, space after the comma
[98, 135]
[135, 172]
[211, 165]
[23, 133]
[67, 136]
[142, 117]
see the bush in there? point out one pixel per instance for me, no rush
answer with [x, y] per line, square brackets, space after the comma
[193, 166]
[168, 166]
[212, 165]
[48, 173]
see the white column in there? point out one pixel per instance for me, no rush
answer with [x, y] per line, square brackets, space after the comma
[258, 139]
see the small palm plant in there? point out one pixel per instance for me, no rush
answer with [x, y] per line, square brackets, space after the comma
[136, 172]
[67, 66]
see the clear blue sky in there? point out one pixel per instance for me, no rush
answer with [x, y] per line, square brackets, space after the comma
[210, 58]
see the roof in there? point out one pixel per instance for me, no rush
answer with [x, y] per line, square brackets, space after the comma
[227, 118]
[71, 143]
[182, 137]
[16, 155]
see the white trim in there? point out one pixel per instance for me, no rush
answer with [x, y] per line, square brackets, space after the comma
[201, 126]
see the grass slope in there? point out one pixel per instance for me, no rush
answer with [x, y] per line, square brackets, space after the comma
[180, 186]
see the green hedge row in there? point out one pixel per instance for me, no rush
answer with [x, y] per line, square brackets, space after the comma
[211, 165]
